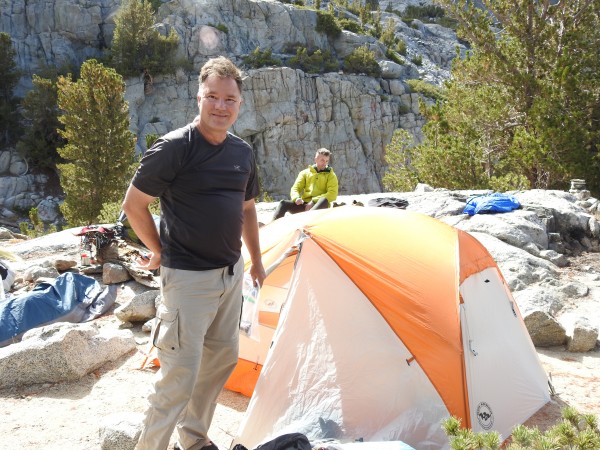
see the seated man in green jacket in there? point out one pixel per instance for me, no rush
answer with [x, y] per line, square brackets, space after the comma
[315, 188]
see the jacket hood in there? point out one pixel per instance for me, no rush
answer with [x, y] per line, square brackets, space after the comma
[326, 169]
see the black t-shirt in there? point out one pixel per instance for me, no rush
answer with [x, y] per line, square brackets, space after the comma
[202, 188]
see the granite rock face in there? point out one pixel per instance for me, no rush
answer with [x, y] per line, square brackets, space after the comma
[286, 115]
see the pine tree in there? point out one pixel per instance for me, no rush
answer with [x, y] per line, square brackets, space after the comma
[9, 118]
[400, 175]
[41, 139]
[100, 147]
[388, 35]
[362, 60]
[137, 47]
[525, 103]
[448, 158]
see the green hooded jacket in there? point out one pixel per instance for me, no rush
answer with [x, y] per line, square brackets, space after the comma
[311, 185]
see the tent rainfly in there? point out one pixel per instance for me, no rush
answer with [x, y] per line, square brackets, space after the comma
[379, 323]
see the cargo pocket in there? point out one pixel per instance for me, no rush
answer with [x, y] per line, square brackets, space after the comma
[166, 329]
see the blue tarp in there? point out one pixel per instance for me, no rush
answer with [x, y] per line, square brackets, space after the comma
[491, 203]
[71, 297]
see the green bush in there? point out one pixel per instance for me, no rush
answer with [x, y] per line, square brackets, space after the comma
[509, 182]
[417, 60]
[447, 22]
[151, 139]
[315, 62]
[161, 56]
[575, 431]
[426, 13]
[401, 47]
[393, 56]
[375, 32]
[36, 228]
[354, 7]
[362, 60]
[327, 23]
[263, 195]
[9, 103]
[40, 139]
[23, 228]
[155, 5]
[390, 9]
[351, 25]
[388, 35]
[427, 89]
[137, 46]
[372, 4]
[258, 59]
[110, 212]
[429, 14]
[399, 175]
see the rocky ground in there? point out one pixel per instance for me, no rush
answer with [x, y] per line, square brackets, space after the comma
[68, 415]
[65, 416]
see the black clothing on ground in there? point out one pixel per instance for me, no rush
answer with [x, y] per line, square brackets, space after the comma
[389, 202]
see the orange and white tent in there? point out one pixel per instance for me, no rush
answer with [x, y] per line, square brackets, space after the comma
[379, 323]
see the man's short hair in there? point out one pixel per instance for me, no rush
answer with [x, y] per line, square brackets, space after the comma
[221, 67]
[323, 151]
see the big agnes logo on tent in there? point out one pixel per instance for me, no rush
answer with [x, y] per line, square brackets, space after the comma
[485, 416]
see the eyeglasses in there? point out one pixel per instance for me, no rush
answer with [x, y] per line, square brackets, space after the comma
[213, 100]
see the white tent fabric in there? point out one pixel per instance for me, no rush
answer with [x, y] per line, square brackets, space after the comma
[392, 321]
[510, 368]
[339, 370]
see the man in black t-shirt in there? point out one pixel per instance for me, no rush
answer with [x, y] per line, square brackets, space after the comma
[206, 180]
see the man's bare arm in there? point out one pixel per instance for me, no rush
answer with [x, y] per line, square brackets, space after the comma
[136, 205]
[250, 235]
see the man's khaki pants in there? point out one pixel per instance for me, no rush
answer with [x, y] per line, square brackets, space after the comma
[197, 336]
